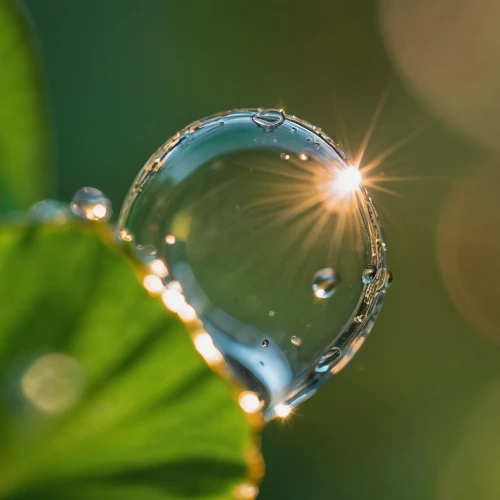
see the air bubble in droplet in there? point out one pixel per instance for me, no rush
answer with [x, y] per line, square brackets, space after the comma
[369, 274]
[296, 341]
[327, 360]
[91, 204]
[269, 118]
[324, 283]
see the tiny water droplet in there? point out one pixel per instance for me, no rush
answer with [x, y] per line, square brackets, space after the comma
[50, 211]
[324, 283]
[124, 235]
[265, 343]
[271, 313]
[146, 253]
[91, 204]
[294, 129]
[327, 360]
[170, 239]
[296, 341]
[388, 278]
[221, 122]
[303, 157]
[358, 319]
[269, 118]
[369, 274]
[284, 156]
[317, 143]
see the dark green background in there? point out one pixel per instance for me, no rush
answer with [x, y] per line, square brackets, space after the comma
[124, 75]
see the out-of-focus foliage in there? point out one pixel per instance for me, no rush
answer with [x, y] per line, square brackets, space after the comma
[102, 395]
[23, 130]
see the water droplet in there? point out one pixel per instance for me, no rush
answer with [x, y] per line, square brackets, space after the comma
[91, 204]
[221, 122]
[124, 235]
[145, 253]
[269, 118]
[317, 143]
[50, 211]
[327, 360]
[269, 251]
[369, 274]
[388, 278]
[324, 283]
[296, 341]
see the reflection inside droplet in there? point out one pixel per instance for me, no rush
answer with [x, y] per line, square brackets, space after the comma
[324, 283]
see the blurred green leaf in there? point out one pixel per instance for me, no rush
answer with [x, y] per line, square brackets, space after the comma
[23, 128]
[102, 395]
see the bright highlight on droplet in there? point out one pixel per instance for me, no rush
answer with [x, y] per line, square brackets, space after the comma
[53, 383]
[246, 492]
[249, 402]
[205, 346]
[152, 283]
[170, 239]
[346, 181]
[282, 410]
[158, 267]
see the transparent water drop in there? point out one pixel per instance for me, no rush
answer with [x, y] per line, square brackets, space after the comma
[91, 204]
[299, 226]
[326, 361]
[324, 283]
[369, 273]
[52, 211]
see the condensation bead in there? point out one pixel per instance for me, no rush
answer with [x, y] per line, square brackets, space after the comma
[267, 232]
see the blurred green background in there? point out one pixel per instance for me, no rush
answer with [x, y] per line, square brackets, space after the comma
[415, 415]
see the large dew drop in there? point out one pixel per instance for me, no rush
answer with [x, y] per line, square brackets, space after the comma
[255, 221]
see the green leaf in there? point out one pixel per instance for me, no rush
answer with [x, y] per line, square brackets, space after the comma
[102, 395]
[23, 129]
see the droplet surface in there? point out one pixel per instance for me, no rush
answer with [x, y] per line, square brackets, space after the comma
[369, 273]
[324, 283]
[266, 241]
[91, 204]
